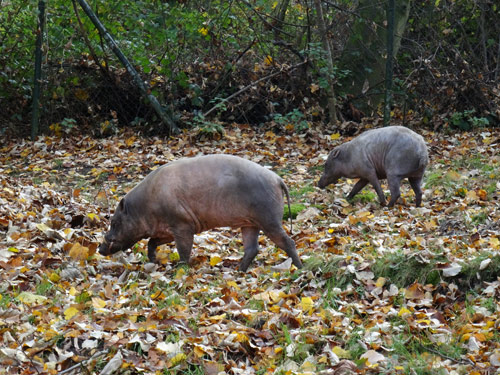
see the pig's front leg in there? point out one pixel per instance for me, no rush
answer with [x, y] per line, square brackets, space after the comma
[357, 188]
[153, 243]
[184, 243]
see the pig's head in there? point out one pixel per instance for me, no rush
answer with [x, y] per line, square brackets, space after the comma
[122, 233]
[332, 171]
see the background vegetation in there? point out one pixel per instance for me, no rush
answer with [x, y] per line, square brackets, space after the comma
[195, 54]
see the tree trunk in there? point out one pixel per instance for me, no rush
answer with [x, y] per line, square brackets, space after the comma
[332, 102]
[280, 18]
[389, 62]
[171, 126]
[365, 53]
[37, 84]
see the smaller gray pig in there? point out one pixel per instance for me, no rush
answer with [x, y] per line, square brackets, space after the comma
[192, 195]
[394, 152]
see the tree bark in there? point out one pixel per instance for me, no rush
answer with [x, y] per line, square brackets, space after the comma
[37, 84]
[171, 126]
[332, 102]
[389, 62]
[364, 53]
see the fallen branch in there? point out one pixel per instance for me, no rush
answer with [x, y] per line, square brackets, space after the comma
[96, 355]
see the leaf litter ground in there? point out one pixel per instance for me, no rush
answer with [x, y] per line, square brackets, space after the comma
[402, 291]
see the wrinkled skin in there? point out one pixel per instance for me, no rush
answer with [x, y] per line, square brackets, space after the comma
[394, 152]
[189, 196]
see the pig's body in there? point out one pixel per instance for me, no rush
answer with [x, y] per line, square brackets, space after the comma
[189, 196]
[394, 152]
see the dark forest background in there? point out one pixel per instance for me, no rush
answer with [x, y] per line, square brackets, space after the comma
[280, 63]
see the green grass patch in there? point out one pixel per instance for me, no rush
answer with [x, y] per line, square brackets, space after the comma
[331, 269]
[471, 269]
[296, 208]
[297, 193]
[365, 196]
[405, 269]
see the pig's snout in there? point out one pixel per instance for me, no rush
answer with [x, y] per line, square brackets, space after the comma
[324, 181]
[105, 247]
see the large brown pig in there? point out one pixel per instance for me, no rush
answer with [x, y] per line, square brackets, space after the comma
[189, 196]
[394, 152]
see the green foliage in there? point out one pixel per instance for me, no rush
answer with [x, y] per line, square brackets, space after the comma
[466, 121]
[295, 118]
[205, 127]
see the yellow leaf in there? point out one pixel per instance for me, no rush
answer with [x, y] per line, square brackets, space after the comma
[307, 304]
[30, 298]
[70, 312]
[233, 284]
[198, 351]
[174, 257]
[341, 353]
[79, 252]
[54, 277]
[314, 87]
[203, 31]
[404, 311]
[214, 260]
[335, 136]
[72, 291]
[130, 141]
[180, 273]
[380, 282]
[275, 309]
[98, 303]
[93, 217]
[270, 134]
[241, 337]
[158, 295]
[494, 243]
[13, 250]
[268, 60]
[217, 318]
[178, 358]
[483, 195]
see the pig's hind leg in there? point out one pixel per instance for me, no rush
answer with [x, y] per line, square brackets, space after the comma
[415, 183]
[281, 239]
[250, 244]
[394, 182]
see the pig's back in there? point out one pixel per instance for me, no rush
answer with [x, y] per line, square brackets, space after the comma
[393, 150]
[219, 190]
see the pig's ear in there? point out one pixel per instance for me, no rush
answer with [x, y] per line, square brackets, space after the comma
[335, 153]
[122, 206]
